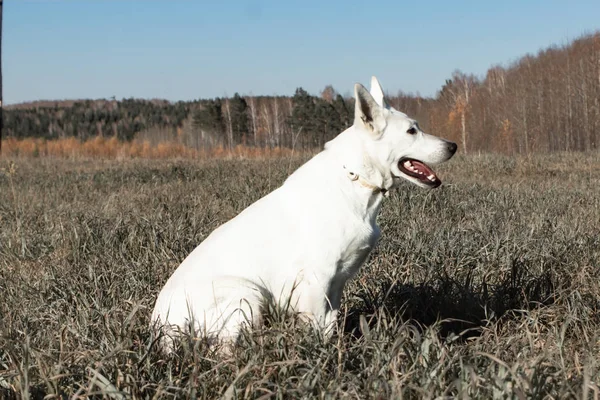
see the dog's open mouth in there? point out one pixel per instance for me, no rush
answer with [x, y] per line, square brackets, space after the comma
[418, 170]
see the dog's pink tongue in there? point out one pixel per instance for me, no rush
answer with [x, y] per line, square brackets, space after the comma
[422, 168]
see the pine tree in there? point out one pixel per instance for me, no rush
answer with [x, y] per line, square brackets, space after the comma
[302, 120]
[239, 119]
[210, 117]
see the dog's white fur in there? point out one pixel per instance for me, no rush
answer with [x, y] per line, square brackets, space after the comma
[300, 244]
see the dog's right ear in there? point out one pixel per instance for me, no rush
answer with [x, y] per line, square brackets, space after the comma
[367, 112]
[377, 92]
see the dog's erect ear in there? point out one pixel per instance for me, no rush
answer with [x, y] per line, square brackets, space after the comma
[367, 112]
[377, 92]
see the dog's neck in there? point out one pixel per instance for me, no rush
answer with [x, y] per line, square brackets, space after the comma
[364, 179]
[351, 151]
[345, 173]
[354, 177]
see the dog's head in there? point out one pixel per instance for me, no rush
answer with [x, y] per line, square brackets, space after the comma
[395, 144]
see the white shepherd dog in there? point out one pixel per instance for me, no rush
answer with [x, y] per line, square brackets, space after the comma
[300, 244]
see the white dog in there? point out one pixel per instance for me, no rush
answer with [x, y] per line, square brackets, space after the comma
[299, 245]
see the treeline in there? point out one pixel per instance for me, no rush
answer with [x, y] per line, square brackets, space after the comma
[539, 103]
[301, 121]
[89, 118]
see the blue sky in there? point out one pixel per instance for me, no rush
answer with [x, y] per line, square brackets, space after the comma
[181, 50]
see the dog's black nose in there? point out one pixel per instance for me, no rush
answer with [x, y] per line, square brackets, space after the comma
[452, 147]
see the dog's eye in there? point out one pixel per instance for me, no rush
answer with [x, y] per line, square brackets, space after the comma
[412, 130]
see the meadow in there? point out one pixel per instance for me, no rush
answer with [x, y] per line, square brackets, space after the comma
[487, 287]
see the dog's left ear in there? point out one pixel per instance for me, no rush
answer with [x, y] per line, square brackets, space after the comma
[367, 112]
[377, 92]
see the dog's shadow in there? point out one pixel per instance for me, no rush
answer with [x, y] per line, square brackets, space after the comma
[460, 308]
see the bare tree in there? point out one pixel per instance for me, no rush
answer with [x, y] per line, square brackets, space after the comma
[268, 125]
[328, 94]
[252, 107]
[277, 122]
[465, 84]
[229, 125]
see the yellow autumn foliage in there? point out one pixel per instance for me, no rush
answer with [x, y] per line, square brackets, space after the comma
[112, 148]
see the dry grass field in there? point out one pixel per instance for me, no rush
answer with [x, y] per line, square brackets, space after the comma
[488, 287]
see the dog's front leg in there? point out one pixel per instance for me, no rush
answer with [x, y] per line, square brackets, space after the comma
[323, 321]
[320, 309]
[330, 323]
